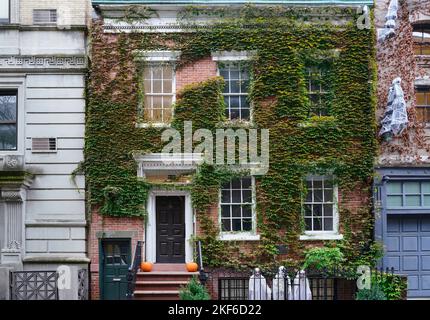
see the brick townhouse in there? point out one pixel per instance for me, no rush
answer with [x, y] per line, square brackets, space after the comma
[155, 66]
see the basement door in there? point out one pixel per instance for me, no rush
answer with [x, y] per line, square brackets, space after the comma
[170, 222]
[407, 245]
[115, 261]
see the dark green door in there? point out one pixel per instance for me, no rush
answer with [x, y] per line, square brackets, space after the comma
[115, 260]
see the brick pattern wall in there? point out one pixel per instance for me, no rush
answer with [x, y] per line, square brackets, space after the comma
[198, 71]
[75, 12]
[105, 224]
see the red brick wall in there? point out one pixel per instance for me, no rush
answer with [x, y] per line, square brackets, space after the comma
[197, 71]
[102, 224]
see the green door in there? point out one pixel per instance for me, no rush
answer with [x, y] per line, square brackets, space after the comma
[115, 261]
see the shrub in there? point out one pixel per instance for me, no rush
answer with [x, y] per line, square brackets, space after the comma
[392, 285]
[320, 258]
[374, 293]
[194, 290]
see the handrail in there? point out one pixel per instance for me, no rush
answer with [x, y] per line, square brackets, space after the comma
[203, 276]
[133, 269]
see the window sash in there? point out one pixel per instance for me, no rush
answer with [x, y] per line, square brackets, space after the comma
[226, 70]
[322, 217]
[154, 112]
[12, 145]
[318, 109]
[4, 11]
[405, 196]
[230, 204]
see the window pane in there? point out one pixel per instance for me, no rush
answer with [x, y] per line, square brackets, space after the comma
[426, 201]
[328, 210]
[234, 86]
[234, 101]
[425, 187]
[237, 225]
[247, 196]
[156, 86]
[236, 196]
[246, 182]
[157, 102]
[226, 225]
[328, 224]
[317, 209]
[247, 224]
[8, 108]
[411, 187]
[318, 196]
[317, 224]
[8, 137]
[4, 9]
[328, 195]
[225, 196]
[225, 211]
[147, 86]
[235, 211]
[394, 187]
[246, 211]
[413, 201]
[157, 73]
[167, 102]
[234, 114]
[167, 86]
[308, 210]
[309, 195]
[317, 184]
[394, 201]
[236, 184]
[167, 72]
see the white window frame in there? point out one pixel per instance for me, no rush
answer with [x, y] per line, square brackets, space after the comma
[8, 19]
[235, 57]
[240, 235]
[324, 235]
[154, 58]
[321, 90]
[17, 84]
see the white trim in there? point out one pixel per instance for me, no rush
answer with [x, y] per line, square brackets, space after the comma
[152, 125]
[321, 236]
[233, 55]
[18, 84]
[240, 236]
[158, 56]
[151, 224]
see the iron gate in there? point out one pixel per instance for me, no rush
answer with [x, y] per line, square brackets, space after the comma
[34, 285]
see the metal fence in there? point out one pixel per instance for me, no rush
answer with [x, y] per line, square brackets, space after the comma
[83, 284]
[282, 284]
[34, 285]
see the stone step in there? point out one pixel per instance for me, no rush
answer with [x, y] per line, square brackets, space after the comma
[159, 285]
[166, 276]
[156, 295]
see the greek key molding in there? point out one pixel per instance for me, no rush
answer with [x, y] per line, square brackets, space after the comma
[42, 62]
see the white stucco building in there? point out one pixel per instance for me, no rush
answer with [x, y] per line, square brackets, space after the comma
[42, 120]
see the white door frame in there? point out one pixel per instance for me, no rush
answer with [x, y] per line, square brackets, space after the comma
[151, 224]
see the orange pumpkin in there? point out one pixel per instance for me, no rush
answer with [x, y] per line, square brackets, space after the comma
[192, 267]
[146, 266]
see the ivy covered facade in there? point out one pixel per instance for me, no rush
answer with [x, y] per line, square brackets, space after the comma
[307, 74]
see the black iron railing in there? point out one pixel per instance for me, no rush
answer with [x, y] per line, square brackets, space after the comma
[203, 276]
[133, 269]
[34, 285]
[83, 284]
[284, 284]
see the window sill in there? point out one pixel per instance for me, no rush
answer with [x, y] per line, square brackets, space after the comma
[152, 125]
[239, 237]
[321, 236]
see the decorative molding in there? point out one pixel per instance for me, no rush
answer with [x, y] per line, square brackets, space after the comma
[11, 195]
[14, 246]
[42, 62]
[158, 56]
[12, 162]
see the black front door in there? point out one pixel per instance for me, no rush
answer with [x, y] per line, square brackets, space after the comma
[170, 229]
[115, 260]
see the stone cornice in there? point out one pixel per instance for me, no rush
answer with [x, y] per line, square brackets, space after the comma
[42, 62]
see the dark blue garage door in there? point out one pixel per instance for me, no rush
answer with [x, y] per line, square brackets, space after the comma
[407, 245]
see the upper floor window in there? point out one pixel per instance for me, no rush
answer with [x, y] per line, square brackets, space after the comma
[8, 120]
[236, 76]
[159, 90]
[237, 205]
[408, 194]
[320, 210]
[421, 36]
[317, 92]
[4, 11]
[422, 95]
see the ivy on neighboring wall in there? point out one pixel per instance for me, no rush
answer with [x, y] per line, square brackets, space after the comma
[342, 144]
